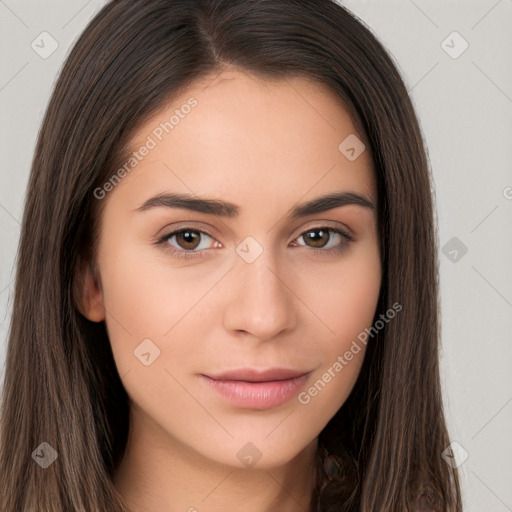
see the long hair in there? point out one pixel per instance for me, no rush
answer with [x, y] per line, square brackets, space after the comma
[382, 449]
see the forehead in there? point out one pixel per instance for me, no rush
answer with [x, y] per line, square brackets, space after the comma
[246, 130]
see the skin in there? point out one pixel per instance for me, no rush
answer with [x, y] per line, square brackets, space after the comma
[264, 146]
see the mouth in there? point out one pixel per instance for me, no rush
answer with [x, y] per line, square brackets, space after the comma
[258, 375]
[253, 389]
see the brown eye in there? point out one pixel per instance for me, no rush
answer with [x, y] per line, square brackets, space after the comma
[188, 239]
[322, 243]
[317, 237]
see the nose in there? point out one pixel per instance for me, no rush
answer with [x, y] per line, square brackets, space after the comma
[261, 301]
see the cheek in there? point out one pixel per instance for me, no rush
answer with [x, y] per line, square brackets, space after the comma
[346, 295]
[353, 301]
[148, 297]
[346, 307]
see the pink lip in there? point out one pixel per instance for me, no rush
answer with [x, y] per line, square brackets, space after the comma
[257, 395]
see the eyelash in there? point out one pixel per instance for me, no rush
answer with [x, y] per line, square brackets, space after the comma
[163, 241]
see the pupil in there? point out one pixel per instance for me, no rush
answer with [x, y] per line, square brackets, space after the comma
[189, 237]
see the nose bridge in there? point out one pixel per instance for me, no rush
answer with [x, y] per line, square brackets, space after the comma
[261, 302]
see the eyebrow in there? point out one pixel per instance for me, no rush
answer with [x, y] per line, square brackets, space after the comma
[230, 210]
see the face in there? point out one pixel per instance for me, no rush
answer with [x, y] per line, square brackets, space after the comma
[261, 283]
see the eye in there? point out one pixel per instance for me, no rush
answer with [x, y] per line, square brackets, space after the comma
[320, 237]
[186, 242]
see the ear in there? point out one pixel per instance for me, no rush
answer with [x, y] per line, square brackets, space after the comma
[89, 294]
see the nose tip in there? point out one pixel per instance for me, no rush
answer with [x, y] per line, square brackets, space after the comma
[260, 301]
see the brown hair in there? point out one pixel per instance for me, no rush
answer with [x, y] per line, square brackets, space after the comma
[382, 449]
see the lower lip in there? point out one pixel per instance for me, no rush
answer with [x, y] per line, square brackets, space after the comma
[257, 395]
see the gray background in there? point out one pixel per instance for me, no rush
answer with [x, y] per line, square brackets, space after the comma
[465, 109]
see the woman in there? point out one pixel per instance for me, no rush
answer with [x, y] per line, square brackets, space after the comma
[291, 362]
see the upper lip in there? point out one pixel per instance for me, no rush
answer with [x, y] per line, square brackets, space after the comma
[258, 375]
